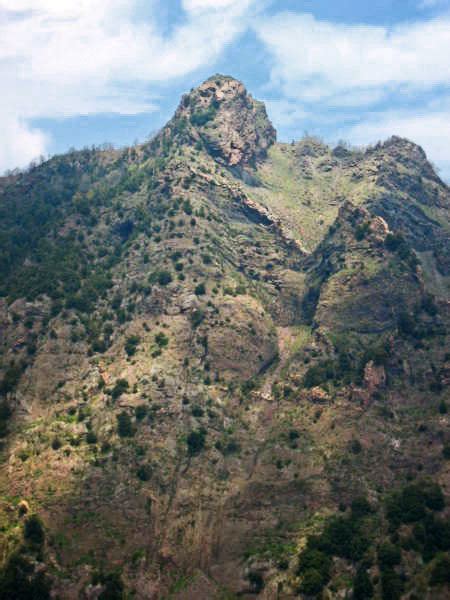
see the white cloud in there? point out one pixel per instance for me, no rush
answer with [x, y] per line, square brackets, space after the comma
[61, 58]
[286, 113]
[20, 144]
[201, 5]
[315, 60]
[425, 4]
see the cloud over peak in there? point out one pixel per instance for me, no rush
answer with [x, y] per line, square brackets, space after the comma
[61, 58]
[316, 60]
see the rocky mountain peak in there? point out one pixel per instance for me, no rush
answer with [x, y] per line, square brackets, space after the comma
[223, 116]
[398, 150]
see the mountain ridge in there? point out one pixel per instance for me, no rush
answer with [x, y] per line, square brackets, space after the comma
[211, 345]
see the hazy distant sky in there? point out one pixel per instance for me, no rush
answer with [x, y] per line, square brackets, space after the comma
[82, 72]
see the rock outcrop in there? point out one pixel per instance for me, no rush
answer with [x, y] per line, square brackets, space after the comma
[223, 116]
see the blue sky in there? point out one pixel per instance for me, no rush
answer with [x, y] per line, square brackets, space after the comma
[82, 72]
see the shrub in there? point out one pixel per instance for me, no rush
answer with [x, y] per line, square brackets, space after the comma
[196, 441]
[293, 435]
[429, 305]
[164, 278]
[231, 447]
[200, 289]
[361, 231]
[361, 507]
[317, 560]
[356, 446]
[200, 118]
[131, 344]
[5, 411]
[99, 346]
[140, 412]
[256, 581]
[120, 388]
[309, 303]
[187, 207]
[379, 354]
[161, 339]
[389, 555]
[112, 584]
[393, 241]
[11, 379]
[124, 229]
[248, 386]
[312, 582]
[343, 537]
[434, 498]
[175, 256]
[5, 414]
[91, 437]
[197, 317]
[441, 571]
[124, 425]
[406, 324]
[362, 586]
[33, 530]
[391, 585]
[197, 411]
[144, 472]
[443, 409]
[319, 374]
[410, 504]
[56, 443]
[19, 581]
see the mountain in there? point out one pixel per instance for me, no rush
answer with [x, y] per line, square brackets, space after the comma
[224, 366]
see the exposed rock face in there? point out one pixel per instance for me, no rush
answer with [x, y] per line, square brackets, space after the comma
[245, 344]
[374, 380]
[410, 155]
[357, 286]
[233, 126]
[413, 198]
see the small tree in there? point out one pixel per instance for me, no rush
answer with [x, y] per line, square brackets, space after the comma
[120, 388]
[131, 344]
[91, 437]
[389, 555]
[200, 289]
[141, 412]
[125, 425]
[441, 570]
[161, 339]
[144, 472]
[33, 530]
[196, 441]
[113, 588]
[164, 278]
[312, 582]
[362, 586]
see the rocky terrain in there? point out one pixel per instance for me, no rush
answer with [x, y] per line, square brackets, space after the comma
[224, 367]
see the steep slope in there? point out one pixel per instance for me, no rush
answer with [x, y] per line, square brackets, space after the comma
[210, 343]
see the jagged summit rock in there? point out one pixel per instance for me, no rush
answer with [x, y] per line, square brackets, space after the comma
[224, 118]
